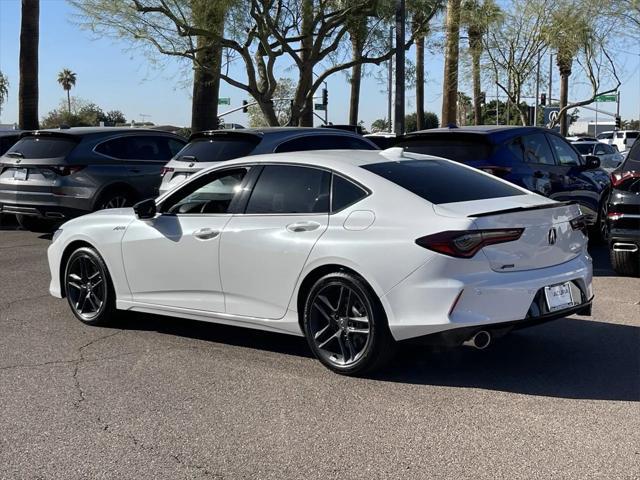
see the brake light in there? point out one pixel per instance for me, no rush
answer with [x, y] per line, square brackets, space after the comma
[618, 178]
[165, 170]
[579, 223]
[466, 243]
[65, 171]
[615, 216]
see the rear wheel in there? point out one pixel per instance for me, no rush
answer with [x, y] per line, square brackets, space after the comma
[115, 199]
[345, 325]
[88, 287]
[625, 263]
[36, 224]
[600, 231]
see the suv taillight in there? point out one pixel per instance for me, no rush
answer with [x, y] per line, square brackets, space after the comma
[466, 243]
[618, 178]
[65, 171]
[165, 170]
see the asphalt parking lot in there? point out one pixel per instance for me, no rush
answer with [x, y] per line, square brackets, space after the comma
[169, 398]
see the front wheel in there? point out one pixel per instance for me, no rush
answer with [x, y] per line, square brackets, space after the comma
[88, 287]
[345, 325]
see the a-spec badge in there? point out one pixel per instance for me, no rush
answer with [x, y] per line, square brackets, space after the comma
[119, 227]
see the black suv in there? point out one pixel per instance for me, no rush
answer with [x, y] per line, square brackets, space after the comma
[51, 175]
[624, 215]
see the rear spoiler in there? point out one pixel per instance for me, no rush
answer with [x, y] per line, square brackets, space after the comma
[524, 209]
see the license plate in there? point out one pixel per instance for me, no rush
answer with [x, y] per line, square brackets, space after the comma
[20, 174]
[559, 296]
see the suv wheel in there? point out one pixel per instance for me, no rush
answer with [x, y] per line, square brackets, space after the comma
[345, 325]
[600, 231]
[116, 199]
[625, 263]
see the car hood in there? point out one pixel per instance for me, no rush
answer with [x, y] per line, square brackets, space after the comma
[116, 216]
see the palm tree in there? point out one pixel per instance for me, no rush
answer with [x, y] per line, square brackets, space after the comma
[28, 89]
[452, 50]
[357, 34]
[4, 89]
[477, 16]
[67, 79]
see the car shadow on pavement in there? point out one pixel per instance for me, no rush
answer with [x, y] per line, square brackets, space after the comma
[567, 358]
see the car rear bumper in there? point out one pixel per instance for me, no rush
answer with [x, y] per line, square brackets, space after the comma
[624, 239]
[43, 204]
[435, 298]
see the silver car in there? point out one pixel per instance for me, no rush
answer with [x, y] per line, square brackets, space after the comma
[49, 176]
[610, 158]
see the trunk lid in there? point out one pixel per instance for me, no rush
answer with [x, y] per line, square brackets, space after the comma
[548, 238]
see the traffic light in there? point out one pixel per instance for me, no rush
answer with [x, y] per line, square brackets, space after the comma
[483, 98]
[543, 99]
[325, 96]
[618, 121]
[245, 109]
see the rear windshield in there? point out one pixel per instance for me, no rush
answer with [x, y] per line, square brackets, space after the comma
[454, 149]
[42, 147]
[584, 148]
[632, 134]
[218, 149]
[439, 182]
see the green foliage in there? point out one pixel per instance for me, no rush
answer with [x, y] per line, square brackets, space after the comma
[4, 89]
[380, 125]
[82, 114]
[67, 79]
[430, 121]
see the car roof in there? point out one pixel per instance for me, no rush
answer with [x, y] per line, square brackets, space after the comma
[274, 131]
[9, 133]
[491, 133]
[82, 131]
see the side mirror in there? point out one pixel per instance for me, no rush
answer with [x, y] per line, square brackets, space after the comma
[145, 209]
[593, 162]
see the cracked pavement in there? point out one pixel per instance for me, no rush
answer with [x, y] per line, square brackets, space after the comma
[160, 397]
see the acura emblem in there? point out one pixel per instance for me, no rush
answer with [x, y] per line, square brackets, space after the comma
[552, 236]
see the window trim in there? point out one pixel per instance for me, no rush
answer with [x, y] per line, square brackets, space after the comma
[366, 191]
[124, 135]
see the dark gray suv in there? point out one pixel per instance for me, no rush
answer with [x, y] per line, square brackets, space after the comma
[51, 175]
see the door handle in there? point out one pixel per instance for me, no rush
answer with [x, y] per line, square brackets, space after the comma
[303, 226]
[206, 233]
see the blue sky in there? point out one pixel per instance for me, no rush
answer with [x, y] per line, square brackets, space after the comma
[116, 76]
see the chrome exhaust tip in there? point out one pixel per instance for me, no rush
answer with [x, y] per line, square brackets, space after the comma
[480, 340]
[54, 215]
[625, 247]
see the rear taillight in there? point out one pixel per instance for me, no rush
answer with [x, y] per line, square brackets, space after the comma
[165, 170]
[65, 171]
[615, 216]
[579, 223]
[466, 243]
[618, 178]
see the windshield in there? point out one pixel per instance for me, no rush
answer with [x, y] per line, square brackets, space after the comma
[41, 147]
[438, 181]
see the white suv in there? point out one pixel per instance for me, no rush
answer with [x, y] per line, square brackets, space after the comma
[621, 139]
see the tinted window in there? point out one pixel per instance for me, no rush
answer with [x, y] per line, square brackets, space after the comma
[632, 134]
[564, 153]
[212, 193]
[605, 136]
[452, 148]
[290, 189]
[218, 148]
[585, 148]
[345, 193]
[600, 149]
[6, 142]
[537, 150]
[323, 142]
[442, 182]
[43, 147]
[136, 148]
[174, 146]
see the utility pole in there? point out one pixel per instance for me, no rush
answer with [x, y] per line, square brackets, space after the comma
[550, 76]
[399, 103]
[535, 104]
[390, 82]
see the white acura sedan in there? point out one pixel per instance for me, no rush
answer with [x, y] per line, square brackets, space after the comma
[355, 250]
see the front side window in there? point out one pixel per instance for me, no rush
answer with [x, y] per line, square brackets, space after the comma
[439, 181]
[289, 189]
[323, 142]
[566, 155]
[210, 194]
[536, 149]
[600, 150]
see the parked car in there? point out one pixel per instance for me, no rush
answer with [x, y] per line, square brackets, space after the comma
[383, 140]
[205, 149]
[610, 158]
[534, 158]
[8, 138]
[581, 139]
[354, 250]
[624, 215]
[52, 175]
[622, 139]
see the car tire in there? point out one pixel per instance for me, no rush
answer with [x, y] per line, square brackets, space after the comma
[346, 326]
[600, 231]
[36, 224]
[625, 263]
[88, 287]
[114, 199]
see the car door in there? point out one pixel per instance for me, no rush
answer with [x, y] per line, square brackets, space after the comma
[263, 249]
[539, 158]
[172, 259]
[571, 181]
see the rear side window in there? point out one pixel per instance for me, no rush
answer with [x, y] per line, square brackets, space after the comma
[323, 142]
[345, 193]
[442, 182]
[143, 147]
[459, 150]
[6, 142]
[218, 148]
[42, 147]
[282, 189]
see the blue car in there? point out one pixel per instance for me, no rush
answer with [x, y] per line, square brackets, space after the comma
[537, 159]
